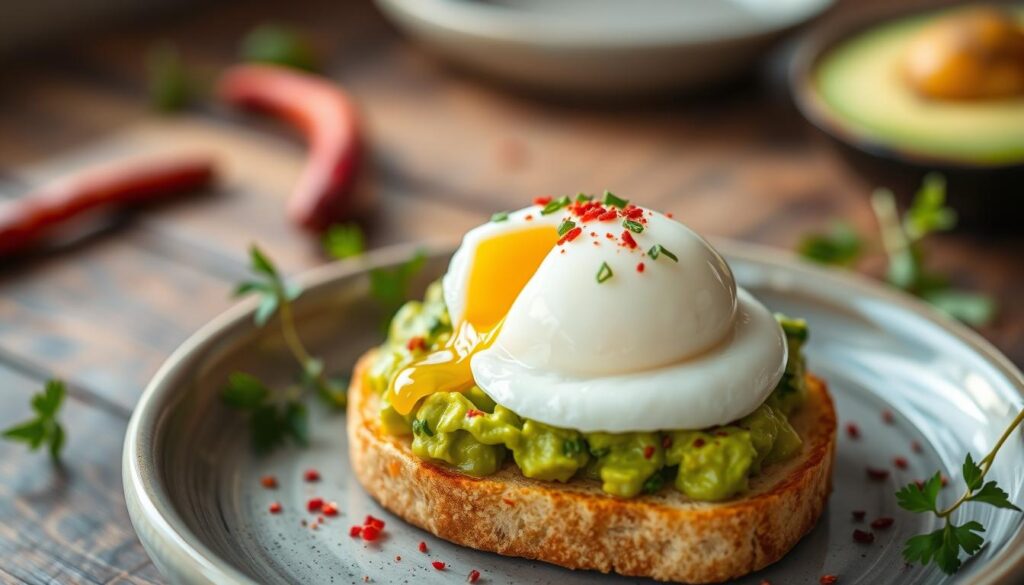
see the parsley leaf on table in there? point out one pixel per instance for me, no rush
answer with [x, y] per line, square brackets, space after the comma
[43, 429]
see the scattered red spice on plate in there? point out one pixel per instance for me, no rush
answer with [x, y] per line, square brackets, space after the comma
[943, 480]
[640, 267]
[275, 507]
[398, 557]
[370, 533]
[916, 447]
[877, 474]
[882, 523]
[423, 547]
[330, 509]
[438, 565]
[268, 481]
[474, 576]
[375, 522]
[355, 531]
[900, 462]
[828, 579]
[862, 536]
[315, 504]
[852, 430]
[888, 417]
[311, 475]
[858, 515]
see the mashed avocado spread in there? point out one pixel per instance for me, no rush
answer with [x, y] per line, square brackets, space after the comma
[473, 434]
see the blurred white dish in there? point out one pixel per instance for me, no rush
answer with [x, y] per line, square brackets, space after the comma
[602, 47]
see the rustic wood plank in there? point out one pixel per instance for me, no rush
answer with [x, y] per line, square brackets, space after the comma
[66, 524]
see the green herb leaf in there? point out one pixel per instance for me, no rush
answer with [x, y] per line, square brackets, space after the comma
[573, 447]
[582, 197]
[421, 427]
[279, 45]
[923, 547]
[244, 391]
[973, 474]
[634, 226]
[841, 245]
[297, 422]
[267, 428]
[169, 85]
[260, 263]
[928, 213]
[268, 305]
[565, 226]
[56, 440]
[44, 429]
[653, 484]
[993, 495]
[500, 216]
[971, 308]
[659, 250]
[31, 432]
[555, 205]
[920, 499]
[344, 241]
[604, 273]
[251, 287]
[611, 199]
[48, 402]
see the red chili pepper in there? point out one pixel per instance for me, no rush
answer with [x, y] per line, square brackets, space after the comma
[326, 117]
[371, 533]
[640, 267]
[438, 565]
[330, 509]
[375, 522]
[634, 212]
[609, 215]
[30, 218]
[882, 523]
[628, 240]
[863, 537]
[275, 508]
[423, 547]
[315, 504]
[355, 531]
[268, 481]
[592, 214]
[311, 475]
[474, 576]
[853, 430]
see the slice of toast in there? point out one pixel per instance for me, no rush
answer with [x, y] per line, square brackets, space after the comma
[665, 536]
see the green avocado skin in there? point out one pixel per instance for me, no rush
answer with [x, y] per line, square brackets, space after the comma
[468, 431]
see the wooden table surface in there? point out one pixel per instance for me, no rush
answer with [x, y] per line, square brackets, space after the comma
[447, 151]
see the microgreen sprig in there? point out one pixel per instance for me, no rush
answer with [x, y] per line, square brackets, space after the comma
[944, 545]
[344, 241]
[555, 205]
[614, 201]
[43, 428]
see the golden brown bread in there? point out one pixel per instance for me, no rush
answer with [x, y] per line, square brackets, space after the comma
[665, 536]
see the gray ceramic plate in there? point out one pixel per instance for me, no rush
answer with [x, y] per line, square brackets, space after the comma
[193, 490]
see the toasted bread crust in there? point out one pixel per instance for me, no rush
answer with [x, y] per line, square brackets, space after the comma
[665, 536]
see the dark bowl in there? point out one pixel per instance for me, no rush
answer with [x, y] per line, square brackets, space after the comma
[987, 197]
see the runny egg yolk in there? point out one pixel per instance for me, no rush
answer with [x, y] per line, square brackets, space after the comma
[501, 267]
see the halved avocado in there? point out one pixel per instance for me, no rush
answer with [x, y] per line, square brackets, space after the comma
[849, 79]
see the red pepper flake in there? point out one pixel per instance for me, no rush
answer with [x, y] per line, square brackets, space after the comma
[474, 576]
[852, 430]
[416, 343]
[371, 533]
[634, 212]
[330, 509]
[355, 531]
[593, 214]
[888, 417]
[609, 215]
[275, 508]
[438, 565]
[916, 447]
[627, 239]
[542, 200]
[375, 522]
[640, 267]
[315, 504]
[828, 579]
[882, 523]
[858, 515]
[472, 412]
[423, 547]
[528, 217]
[268, 481]
[862, 536]
[698, 443]
[311, 475]
[648, 451]
[877, 474]
[398, 557]
[666, 442]
[570, 235]
[900, 462]
[669, 215]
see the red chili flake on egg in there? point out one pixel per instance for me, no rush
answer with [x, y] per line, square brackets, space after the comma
[900, 462]
[528, 217]
[371, 533]
[315, 504]
[592, 214]
[311, 475]
[268, 481]
[828, 579]
[648, 451]
[570, 235]
[330, 509]
[666, 442]
[474, 576]
[416, 343]
[627, 239]
[423, 547]
[853, 430]
[669, 215]
[888, 417]
[275, 507]
[634, 212]
[858, 515]
[472, 412]
[355, 531]
[438, 565]
[640, 267]
[882, 523]
[609, 215]
[877, 474]
[916, 447]
[863, 537]
[542, 200]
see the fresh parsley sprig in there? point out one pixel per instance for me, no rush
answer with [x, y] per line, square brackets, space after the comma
[43, 429]
[944, 545]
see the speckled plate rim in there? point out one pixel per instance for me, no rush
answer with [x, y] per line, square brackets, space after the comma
[177, 551]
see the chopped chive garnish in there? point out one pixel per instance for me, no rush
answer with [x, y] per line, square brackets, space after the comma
[634, 226]
[566, 226]
[604, 273]
[611, 199]
[581, 197]
[500, 216]
[657, 250]
[555, 204]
